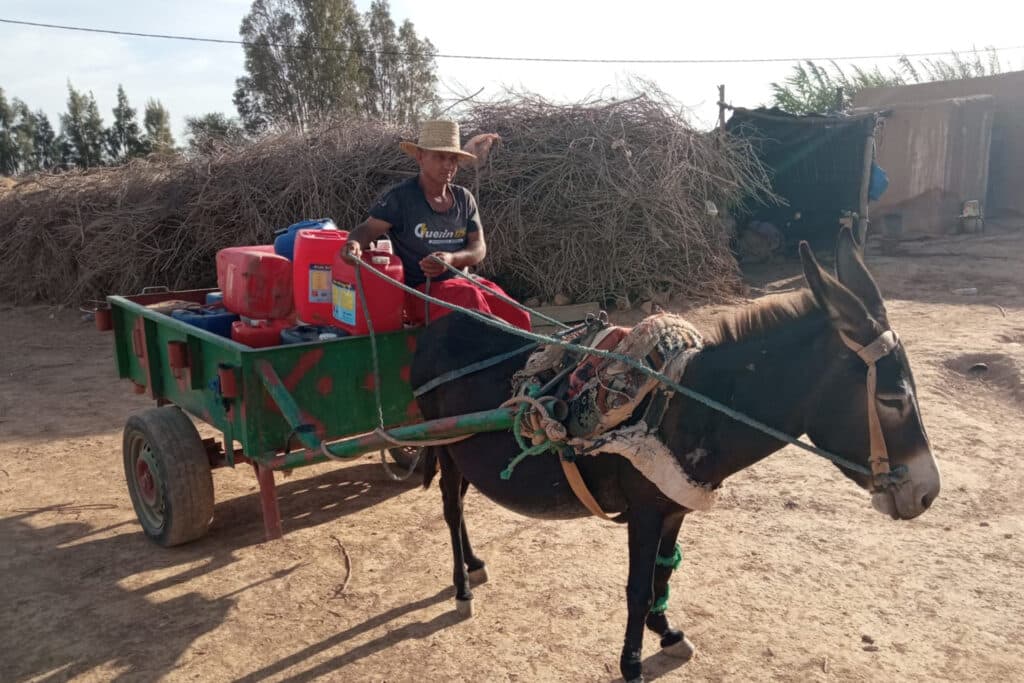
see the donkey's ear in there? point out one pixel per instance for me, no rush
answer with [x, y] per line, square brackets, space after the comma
[852, 273]
[815, 276]
[845, 310]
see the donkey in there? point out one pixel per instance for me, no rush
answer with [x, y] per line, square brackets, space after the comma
[790, 362]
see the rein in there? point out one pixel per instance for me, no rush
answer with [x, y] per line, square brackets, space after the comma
[881, 480]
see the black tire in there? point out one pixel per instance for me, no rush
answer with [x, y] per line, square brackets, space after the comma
[405, 456]
[168, 474]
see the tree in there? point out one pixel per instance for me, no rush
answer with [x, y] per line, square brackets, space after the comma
[811, 88]
[401, 84]
[207, 132]
[82, 127]
[22, 129]
[124, 138]
[309, 60]
[381, 62]
[34, 139]
[9, 153]
[46, 144]
[955, 68]
[417, 78]
[301, 60]
[157, 121]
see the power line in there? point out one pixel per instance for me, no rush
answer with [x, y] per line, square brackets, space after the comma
[492, 58]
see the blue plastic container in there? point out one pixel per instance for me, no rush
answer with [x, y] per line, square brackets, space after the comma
[303, 334]
[216, 319]
[284, 239]
[215, 298]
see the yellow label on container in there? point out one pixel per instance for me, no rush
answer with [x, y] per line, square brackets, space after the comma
[343, 302]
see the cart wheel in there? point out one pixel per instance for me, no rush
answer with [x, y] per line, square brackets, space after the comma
[407, 456]
[168, 474]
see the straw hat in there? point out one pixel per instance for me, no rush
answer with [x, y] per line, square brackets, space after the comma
[437, 136]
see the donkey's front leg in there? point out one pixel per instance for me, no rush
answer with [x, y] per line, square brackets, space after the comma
[673, 641]
[644, 526]
[451, 494]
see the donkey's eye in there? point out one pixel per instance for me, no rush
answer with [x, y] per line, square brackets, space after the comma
[896, 402]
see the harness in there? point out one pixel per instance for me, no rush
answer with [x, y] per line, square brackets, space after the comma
[639, 440]
[883, 475]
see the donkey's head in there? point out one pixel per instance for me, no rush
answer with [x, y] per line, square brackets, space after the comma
[865, 408]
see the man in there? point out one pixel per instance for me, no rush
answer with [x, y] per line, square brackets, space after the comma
[431, 222]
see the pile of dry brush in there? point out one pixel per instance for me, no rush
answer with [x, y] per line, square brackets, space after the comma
[595, 201]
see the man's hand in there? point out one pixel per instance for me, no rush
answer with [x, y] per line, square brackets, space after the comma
[352, 252]
[432, 264]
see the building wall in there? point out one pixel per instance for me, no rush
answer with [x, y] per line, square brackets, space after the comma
[1006, 162]
[936, 155]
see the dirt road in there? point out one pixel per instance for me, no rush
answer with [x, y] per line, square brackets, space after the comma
[792, 577]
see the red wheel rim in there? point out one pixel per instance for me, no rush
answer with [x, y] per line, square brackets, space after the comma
[147, 483]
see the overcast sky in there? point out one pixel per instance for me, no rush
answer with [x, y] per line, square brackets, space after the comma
[195, 78]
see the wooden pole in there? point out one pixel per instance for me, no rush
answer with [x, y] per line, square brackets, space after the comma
[862, 214]
[721, 108]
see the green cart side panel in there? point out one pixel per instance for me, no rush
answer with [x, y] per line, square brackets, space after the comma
[141, 338]
[333, 384]
[331, 381]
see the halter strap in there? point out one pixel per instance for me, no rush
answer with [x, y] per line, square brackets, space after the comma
[881, 347]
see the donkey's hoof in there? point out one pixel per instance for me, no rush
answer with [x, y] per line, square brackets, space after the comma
[677, 645]
[478, 576]
[464, 608]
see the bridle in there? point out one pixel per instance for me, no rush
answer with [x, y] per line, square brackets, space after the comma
[884, 477]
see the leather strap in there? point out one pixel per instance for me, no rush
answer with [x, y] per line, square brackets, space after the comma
[870, 354]
[579, 487]
[876, 350]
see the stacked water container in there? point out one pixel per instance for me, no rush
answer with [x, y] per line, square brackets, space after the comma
[256, 283]
[298, 290]
[311, 246]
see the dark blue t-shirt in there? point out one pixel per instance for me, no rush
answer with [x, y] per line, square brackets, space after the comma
[417, 230]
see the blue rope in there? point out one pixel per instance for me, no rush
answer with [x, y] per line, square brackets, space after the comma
[526, 451]
[470, 369]
[373, 345]
[637, 365]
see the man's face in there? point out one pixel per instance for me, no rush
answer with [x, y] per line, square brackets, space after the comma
[438, 167]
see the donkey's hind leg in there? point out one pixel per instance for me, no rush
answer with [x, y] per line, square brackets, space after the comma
[673, 641]
[645, 525]
[477, 567]
[451, 493]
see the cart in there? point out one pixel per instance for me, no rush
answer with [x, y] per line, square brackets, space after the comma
[276, 408]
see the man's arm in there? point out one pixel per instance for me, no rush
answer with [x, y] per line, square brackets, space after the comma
[368, 231]
[474, 253]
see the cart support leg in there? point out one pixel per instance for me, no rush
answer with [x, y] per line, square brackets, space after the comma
[268, 500]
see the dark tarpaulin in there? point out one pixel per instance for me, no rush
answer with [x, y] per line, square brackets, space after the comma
[817, 166]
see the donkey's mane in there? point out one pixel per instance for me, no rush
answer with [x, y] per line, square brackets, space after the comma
[762, 317]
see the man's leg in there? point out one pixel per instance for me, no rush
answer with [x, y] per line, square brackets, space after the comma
[465, 294]
[503, 309]
[461, 293]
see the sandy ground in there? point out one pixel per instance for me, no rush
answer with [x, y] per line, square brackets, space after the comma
[792, 577]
